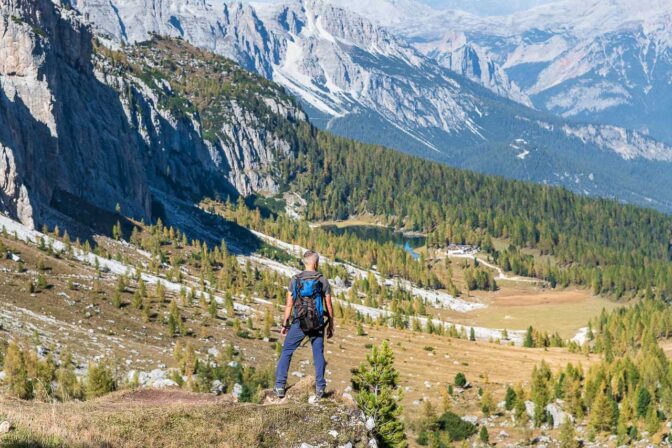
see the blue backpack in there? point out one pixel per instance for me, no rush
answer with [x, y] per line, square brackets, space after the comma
[309, 303]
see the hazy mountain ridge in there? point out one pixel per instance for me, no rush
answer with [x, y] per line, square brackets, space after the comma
[606, 62]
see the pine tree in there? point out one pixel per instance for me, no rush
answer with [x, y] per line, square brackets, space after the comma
[643, 402]
[568, 435]
[68, 385]
[602, 412]
[472, 334]
[509, 398]
[116, 299]
[487, 403]
[16, 372]
[652, 421]
[483, 435]
[174, 320]
[460, 379]
[375, 383]
[212, 307]
[529, 339]
[99, 381]
[541, 393]
[268, 323]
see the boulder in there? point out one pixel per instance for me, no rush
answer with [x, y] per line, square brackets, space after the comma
[5, 427]
[529, 408]
[164, 383]
[370, 424]
[471, 419]
[218, 387]
[237, 390]
[559, 416]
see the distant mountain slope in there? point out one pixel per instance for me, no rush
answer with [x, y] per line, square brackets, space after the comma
[607, 62]
[356, 79]
[450, 49]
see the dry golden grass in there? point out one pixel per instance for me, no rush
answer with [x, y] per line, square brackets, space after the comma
[175, 419]
[516, 306]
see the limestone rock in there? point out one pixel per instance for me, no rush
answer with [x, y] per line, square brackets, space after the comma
[5, 427]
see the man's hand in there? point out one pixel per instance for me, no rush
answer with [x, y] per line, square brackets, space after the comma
[330, 331]
[283, 332]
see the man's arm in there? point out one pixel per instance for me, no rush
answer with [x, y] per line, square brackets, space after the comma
[288, 312]
[330, 309]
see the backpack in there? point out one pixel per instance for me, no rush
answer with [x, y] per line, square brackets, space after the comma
[308, 303]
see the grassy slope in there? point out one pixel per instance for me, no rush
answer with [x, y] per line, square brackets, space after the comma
[122, 335]
[179, 419]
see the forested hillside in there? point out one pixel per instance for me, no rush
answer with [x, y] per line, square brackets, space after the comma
[612, 247]
[605, 244]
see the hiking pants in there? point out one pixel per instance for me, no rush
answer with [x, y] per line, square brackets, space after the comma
[293, 339]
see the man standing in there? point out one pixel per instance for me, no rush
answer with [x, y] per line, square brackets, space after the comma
[306, 315]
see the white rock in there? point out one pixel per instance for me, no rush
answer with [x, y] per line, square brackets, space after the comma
[237, 390]
[217, 387]
[370, 424]
[333, 433]
[529, 408]
[5, 427]
[164, 383]
[298, 374]
[373, 443]
[471, 419]
[559, 416]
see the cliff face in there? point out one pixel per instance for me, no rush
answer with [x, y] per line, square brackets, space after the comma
[74, 127]
[61, 131]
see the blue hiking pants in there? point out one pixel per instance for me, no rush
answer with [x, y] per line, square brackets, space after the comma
[293, 339]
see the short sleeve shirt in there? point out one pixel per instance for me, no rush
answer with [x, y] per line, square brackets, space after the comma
[326, 288]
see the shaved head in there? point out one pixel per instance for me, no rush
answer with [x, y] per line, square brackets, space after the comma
[311, 259]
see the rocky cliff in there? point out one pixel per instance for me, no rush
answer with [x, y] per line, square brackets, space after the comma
[76, 127]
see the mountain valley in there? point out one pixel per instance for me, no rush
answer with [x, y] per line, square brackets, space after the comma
[167, 163]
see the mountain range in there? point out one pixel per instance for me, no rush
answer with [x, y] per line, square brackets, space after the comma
[453, 99]
[603, 62]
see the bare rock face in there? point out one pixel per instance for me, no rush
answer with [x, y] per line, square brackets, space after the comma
[61, 131]
[74, 131]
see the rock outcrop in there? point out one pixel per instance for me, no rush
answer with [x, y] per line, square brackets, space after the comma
[75, 131]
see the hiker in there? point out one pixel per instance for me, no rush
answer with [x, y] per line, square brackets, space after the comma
[306, 316]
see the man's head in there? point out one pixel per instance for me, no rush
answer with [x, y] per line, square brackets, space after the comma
[311, 260]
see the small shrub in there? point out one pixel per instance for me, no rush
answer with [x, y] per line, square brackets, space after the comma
[457, 428]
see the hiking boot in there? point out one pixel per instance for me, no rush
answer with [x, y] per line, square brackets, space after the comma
[280, 392]
[319, 394]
